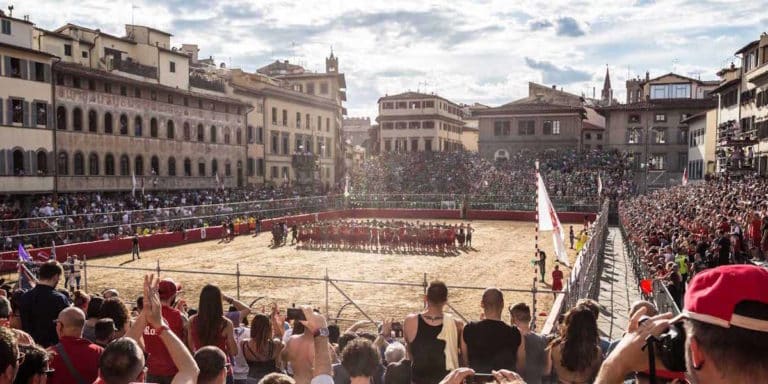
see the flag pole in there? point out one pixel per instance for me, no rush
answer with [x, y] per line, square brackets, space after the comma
[536, 236]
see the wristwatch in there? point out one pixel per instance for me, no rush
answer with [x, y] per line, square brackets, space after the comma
[322, 332]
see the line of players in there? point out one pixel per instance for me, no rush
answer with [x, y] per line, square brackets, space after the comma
[385, 236]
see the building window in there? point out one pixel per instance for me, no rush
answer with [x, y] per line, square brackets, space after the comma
[17, 111]
[77, 119]
[227, 135]
[682, 137]
[323, 88]
[660, 117]
[200, 133]
[201, 168]
[79, 164]
[187, 134]
[634, 135]
[138, 128]
[137, 93]
[125, 165]
[138, 165]
[311, 88]
[414, 145]
[387, 145]
[526, 127]
[239, 136]
[260, 167]
[93, 122]
[428, 145]
[123, 90]
[587, 136]
[67, 49]
[286, 145]
[298, 119]
[285, 118]
[327, 124]
[91, 85]
[214, 167]
[173, 67]
[273, 172]
[551, 127]
[659, 135]
[63, 164]
[213, 134]
[171, 166]
[39, 72]
[123, 124]
[671, 91]
[502, 128]
[41, 113]
[93, 164]
[84, 54]
[61, 118]
[250, 167]
[228, 169]
[187, 167]
[109, 165]
[153, 127]
[249, 134]
[170, 130]
[656, 161]
[107, 88]
[108, 123]
[15, 69]
[274, 116]
[6, 27]
[260, 135]
[599, 136]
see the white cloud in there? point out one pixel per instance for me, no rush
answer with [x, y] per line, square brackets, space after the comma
[466, 50]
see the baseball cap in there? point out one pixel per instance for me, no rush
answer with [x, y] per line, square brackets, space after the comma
[712, 296]
[167, 288]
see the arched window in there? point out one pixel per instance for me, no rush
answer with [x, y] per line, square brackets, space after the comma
[137, 127]
[226, 135]
[171, 166]
[187, 134]
[213, 134]
[79, 164]
[152, 127]
[61, 118]
[249, 134]
[200, 133]
[227, 169]
[42, 163]
[138, 165]
[201, 167]
[187, 167]
[170, 130]
[123, 124]
[214, 167]
[63, 164]
[93, 122]
[77, 119]
[239, 136]
[93, 164]
[154, 163]
[18, 162]
[108, 123]
[109, 165]
[125, 165]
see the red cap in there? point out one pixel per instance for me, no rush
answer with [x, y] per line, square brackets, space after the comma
[167, 288]
[713, 295]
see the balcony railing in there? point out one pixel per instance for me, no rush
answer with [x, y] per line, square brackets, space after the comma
[201, 82]
[134, 68]
[758, 75]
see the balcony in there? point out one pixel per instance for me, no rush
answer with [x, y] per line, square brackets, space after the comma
[202, 82]
[134, 68]
[18, 184]
[759, 75]
[125, 183]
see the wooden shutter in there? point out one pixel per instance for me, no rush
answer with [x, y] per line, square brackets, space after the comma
[2, 161]
[9, 162]
[7, 65]
[9, 111]
[25, 114]
[24, 69]
[1, 111]
[47, 73]
[49, 115]
[29, 166]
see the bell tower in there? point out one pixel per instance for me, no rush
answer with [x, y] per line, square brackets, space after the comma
[332, 63]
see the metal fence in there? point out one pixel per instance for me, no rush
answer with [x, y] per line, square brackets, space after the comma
[660, 294]
[584, 281]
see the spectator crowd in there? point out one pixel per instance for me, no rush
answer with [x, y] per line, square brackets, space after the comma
[48, 336]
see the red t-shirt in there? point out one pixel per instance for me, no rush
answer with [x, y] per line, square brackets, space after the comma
[84, 356]
[160, 362]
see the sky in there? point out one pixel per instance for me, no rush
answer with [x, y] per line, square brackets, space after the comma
[483, 51]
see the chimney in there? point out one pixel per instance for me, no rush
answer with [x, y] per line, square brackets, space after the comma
[554, 86]
[647, 76]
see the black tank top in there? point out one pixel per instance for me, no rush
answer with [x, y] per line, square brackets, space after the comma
[428, 365]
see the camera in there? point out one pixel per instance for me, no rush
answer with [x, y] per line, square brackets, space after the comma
[669, 347]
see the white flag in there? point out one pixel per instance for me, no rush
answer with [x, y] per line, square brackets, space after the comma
[133, 184]
[346, 186]
[685, 176]
[599, 185]
[548, 221]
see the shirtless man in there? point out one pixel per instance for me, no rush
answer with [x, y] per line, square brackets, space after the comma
[299, 353]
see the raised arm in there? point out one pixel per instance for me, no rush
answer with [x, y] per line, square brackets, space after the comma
[244, 309]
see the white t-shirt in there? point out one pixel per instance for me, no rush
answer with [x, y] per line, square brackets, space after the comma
[239, 365]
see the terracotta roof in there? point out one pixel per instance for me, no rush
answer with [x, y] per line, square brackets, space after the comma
[746, 47]
[85, 71]
[149, 28]
[677, 75]
[97, 31]
[416, 95]
[694, 117]
[725, 85]
[271, 90]
[27, 50]
[5, 16]
[528, 107]
[171, 51]
[56, 34]
[661, 104]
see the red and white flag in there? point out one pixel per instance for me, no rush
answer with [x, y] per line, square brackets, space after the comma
[548, 220]
[599, 185]
[685, 176]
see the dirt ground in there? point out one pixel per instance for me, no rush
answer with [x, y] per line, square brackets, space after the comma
[501, 257]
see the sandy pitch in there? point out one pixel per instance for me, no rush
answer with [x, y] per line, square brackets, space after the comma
[502, 258]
